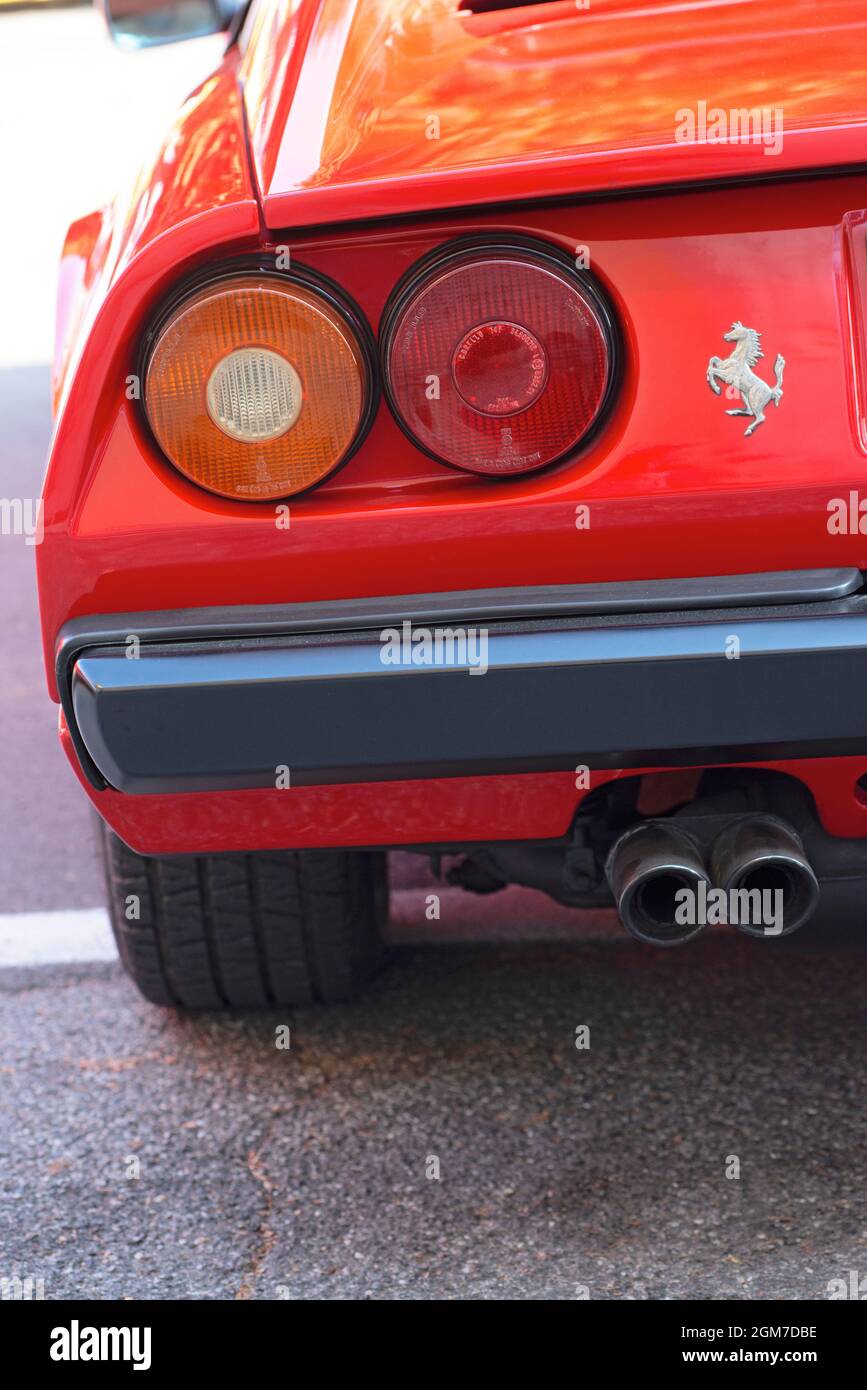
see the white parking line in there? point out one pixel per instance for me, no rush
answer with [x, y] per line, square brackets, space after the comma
[52, 938]
[417, 915]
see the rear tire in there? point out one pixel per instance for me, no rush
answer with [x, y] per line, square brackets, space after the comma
[246, 931]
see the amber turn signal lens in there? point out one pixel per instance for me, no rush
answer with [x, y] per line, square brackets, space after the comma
[256, 387]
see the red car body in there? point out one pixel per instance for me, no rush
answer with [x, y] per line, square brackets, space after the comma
[557, 124]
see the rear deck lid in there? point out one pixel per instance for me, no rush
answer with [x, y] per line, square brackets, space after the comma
[392, 106]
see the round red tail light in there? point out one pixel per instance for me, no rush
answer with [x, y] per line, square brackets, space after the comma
[498, 360]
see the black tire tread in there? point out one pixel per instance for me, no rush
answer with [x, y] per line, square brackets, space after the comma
[246, 931]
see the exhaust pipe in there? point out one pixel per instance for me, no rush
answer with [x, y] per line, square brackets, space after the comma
[761, 854]
[646, 869]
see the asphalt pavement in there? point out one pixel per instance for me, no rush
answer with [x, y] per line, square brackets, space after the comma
[444, 1137]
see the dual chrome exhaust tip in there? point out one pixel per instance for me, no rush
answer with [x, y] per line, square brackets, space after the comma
[666, 890]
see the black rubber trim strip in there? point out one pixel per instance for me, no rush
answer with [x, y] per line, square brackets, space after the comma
[338, 615]
[206, 715]
[677, 597]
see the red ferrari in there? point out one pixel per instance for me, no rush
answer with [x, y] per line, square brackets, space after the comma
[460, 435]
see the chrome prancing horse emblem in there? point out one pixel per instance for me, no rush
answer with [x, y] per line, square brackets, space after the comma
[737, 370]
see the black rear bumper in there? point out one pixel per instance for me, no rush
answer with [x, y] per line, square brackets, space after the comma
[242, 698]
